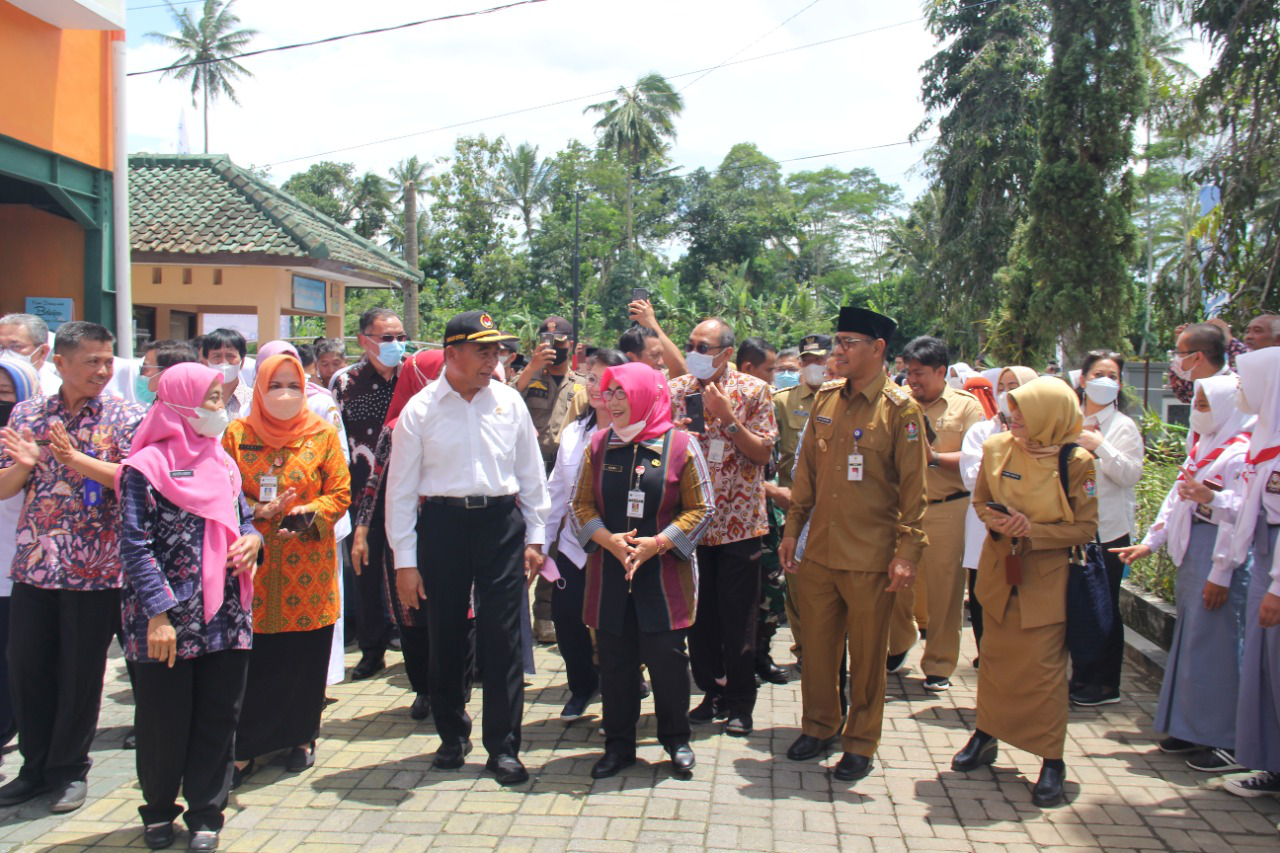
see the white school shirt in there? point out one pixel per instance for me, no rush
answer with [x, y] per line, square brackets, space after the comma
[975, 532]
[1119, 467]
[444, 446]
[574, 442]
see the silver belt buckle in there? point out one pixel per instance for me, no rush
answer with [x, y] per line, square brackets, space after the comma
[475, 502]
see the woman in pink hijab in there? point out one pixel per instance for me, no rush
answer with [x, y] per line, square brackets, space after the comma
[189, 548]
[643, 500]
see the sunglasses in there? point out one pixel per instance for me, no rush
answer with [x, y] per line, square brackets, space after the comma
[614, 394]
[386, 339]
[703, 349]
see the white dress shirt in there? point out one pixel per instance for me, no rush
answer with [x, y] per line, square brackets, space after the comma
[975, 532]
[564, 479]
[445, 446]
[1119, 470]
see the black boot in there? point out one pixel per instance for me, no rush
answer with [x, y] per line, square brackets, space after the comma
[981, 749]
[1048, 790]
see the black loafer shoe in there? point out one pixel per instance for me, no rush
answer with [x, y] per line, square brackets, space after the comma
[981, 749]
[771, 672]
[130, 740]
[421, 707]
[893, 663]
[451, 756]
[69, 797]
[1048, 789]
[159, 837]
[238, 775]
[611, 764]
[507, 769]
[371, 663]
[682, 758]
[205, 840]
[852, 767]
[301, 758]
[19, 791]
[808, 747]
[739, 725]
[710, 709]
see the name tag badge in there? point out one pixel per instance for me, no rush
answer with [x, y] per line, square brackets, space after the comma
[92, 493]
[855, 467]
[635, 504]
[715, 452]
[267, 487]
[178, 475]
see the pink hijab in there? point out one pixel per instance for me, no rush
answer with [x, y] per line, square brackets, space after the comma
[648, 395]
[165, 444]
[285, 348]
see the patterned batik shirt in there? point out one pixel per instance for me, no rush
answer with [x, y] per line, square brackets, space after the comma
[363, 398]
[69, 528]
[738, 482]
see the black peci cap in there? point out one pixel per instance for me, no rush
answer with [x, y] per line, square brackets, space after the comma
[866, 322]
[815, 345]
[473, 327]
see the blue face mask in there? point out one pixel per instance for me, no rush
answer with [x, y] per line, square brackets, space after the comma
[391, 353]
[142, 390]
[786, 379]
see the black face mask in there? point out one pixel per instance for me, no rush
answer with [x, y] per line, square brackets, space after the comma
[6, 409]
[561, 355]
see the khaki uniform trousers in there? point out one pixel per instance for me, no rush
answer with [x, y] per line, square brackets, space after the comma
[943, 577]
[793, 617]
[909, 616]
[836, 604]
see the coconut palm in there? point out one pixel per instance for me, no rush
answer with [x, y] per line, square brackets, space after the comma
[524, 182]
[407, 179]
[205, 47]
[636, 125]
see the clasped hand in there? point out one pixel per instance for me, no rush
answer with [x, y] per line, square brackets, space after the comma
[631, 550]
[1014, 524]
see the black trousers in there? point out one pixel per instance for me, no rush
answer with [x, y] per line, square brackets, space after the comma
[6, 701]
[572, 636]
[415, 639]
[975, 609]
[1104, 673]
[722, 642]
[621, 655]
[373, 630]
[186, 721]
[456, 548]
[58, 641]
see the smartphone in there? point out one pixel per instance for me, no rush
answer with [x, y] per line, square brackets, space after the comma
[928, 431]
[639, 294]
[693, 411]
[298, 523]
[547, 339]
[995, 507]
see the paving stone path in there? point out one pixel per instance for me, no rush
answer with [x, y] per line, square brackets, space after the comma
[373, 789]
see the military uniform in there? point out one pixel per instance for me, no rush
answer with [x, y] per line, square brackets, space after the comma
[862, 517]
[942, 576]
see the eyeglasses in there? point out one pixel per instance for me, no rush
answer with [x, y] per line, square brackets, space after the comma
[614, 393]
[702, 348]
[386, 339]
[850, 343]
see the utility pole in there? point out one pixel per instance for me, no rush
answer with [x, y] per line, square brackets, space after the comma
[576, 262]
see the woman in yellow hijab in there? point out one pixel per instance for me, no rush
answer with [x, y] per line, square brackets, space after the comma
[1032, 525]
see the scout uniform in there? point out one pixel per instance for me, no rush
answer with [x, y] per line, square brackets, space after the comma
[860, 480]
[942, 576]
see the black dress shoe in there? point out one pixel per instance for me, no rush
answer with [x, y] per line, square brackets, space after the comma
[808, 747]
[710, 709]
[981, 749]
[611, 764]
[421, 707]
[771, 672]
[1048, 789]
[204, 840]
[239, 775]
[301, 758]
[451, 756]
[160, 836]
[69, 797]
[130, 740]
[507, 769]
[19, 791]
[371, 663]
[682, 758]
[852, 767]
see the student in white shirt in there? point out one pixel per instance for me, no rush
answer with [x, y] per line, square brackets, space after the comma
[1111, 436]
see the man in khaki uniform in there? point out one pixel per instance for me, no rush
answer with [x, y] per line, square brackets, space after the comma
[791, 410]
[860, 481]
[949, 412]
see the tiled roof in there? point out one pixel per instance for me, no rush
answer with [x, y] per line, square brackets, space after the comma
[205, 205]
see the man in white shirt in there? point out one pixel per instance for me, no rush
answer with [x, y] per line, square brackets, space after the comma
[467, 447]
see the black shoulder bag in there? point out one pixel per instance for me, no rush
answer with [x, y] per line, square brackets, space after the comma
[1089, 613]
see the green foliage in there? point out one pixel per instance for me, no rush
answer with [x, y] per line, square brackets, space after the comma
[1166, 449]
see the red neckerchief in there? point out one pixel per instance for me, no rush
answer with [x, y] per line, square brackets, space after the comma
[1197, 467]
[1265, 456]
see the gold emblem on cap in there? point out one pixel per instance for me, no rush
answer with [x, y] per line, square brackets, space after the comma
[655, 463]
[486, 321]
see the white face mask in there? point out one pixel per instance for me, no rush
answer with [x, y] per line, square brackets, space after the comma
[814, 374]
[207, 422]
[700, 364]
[14, 355]
[229, 372]
[1102, 391]
[1002, 404]
[629, 432]
[1177, 368]
[955, 382]
[1201, 422]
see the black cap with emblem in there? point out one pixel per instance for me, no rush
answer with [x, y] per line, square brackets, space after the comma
[815, 345]
[864, 321]
[473, 327]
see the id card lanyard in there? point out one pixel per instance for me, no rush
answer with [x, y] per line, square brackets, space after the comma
[635, 495]
[855, 466]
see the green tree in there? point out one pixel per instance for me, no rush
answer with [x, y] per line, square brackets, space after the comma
[205, 47]
[524, 181]
[326, 186]
[636, 125]
[371, 202]
[407, 179]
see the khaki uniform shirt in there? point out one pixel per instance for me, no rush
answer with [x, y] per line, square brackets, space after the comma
[791, 410]
[950, 415]
[861, 525]
[546, 396]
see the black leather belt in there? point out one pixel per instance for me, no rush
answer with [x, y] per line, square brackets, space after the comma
[473, 501]
[957, 496]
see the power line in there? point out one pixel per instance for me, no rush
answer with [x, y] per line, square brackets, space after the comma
[162, 5]
[743, 50]
[331, 39]
[723, 169]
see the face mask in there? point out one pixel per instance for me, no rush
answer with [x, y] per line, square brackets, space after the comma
[6, 409]
[142, 390]
[207, 422]
[283, 403]
[814, 374]
[391, 353]
[1102, 391]
[1243, 404]
[701, 365]
[16, 356]
[1002, 404]
[1177, 368]
[229, 372]
[560, 356]
[627, 433]
[786, 379]
[955, 382]
[1201, 422]
[506, 359]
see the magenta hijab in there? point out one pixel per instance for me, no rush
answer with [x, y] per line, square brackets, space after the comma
[207, 482]
[285, 348]
[648, 395]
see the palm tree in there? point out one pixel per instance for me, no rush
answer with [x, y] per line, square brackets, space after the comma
[636, 125]
[371, 204]
[205, 47]
[407, 179]
[524, 183]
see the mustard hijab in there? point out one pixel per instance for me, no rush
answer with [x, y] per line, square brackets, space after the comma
[1022, 474]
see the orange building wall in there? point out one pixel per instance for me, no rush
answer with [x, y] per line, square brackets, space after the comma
[43, 256]
[55, 87]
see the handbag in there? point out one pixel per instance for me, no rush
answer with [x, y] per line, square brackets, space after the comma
[1090, 616]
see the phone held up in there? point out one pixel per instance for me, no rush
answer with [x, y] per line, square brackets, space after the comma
[693, 411]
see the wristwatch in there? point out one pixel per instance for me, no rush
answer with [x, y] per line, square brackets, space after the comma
[732, 428]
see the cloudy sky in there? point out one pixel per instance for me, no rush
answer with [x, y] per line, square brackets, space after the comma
[855, 92]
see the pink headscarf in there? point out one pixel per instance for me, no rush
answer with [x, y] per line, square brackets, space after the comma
[166, 443]
[648, 395]
[285, 348]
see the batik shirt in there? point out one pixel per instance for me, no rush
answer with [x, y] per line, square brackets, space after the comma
[69, 528]
[363, 398]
